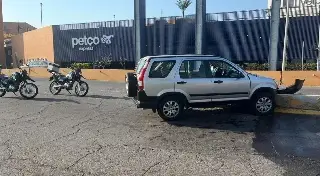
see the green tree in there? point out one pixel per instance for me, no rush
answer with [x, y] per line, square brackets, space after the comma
[183, 5]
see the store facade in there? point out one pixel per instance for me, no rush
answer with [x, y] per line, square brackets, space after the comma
[93, 44]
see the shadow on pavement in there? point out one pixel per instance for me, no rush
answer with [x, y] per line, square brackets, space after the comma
[291, 141]
[217, 119]
[106, 97]
[46, 99]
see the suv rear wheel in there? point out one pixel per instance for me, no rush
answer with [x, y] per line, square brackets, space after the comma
[263, 104]
[170, 108]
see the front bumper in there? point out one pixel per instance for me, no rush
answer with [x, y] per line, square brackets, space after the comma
[296, 87]
[145, 102]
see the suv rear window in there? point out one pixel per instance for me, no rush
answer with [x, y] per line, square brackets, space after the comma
[141, 64]
[161, 69]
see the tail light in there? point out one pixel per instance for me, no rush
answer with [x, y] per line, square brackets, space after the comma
[141, 76]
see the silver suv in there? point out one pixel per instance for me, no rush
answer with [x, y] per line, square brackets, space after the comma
[170, 84]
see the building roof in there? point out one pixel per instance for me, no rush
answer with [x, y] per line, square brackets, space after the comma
[13, 28]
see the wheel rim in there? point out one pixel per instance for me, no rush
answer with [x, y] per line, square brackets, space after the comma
[53, 88]
[80, 88]
[264, 105]
[171, 109]
[29, 90]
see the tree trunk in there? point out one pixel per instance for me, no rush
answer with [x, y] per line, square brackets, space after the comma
[182, 13]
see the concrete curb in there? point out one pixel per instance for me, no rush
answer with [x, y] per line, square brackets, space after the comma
[306, 102]
[297, 111]
[298, 104]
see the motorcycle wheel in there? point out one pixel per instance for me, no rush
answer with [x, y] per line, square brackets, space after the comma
[2, 92]
[79, 87]
[54, 91]
[23, 90]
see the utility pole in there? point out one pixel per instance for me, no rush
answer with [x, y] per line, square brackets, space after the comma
[302, 56]
[200, 26]
[274, 34]
[284, 54]
[41, 12]
[139, 29]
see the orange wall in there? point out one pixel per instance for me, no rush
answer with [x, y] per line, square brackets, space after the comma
[17, 49]
[117, 75]
[39, 44]
[33, 44]
[312, 78]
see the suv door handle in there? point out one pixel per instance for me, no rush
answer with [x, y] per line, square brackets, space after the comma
[218, 82]
[182, 82]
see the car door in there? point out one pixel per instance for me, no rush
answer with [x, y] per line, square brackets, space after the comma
[229, 82]
[192, 80]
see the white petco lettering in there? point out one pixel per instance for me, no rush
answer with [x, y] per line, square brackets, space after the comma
[89, 41]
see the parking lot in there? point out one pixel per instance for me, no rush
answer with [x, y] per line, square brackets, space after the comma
[104, 134]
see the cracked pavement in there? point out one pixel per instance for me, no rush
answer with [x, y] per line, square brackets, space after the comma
[104, 134]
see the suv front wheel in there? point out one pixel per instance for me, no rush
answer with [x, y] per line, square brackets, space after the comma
[263, 104]
[170, 108]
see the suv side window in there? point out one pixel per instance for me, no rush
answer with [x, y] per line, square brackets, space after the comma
[161, 69]
[221, 69]
[194, 69]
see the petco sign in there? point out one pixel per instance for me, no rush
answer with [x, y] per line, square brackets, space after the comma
[87, 43]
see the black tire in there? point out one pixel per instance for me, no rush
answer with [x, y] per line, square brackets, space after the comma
[51, 87]
[131, 84]
[27, 97]
[263, 104]
[176, 104]
[2, 92]
[86, 91]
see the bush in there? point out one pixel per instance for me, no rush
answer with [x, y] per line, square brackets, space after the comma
[81, 65]
[298, 67]
[289, 67]
[256, 66]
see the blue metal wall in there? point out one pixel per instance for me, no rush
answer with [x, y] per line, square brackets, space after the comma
[238, 36]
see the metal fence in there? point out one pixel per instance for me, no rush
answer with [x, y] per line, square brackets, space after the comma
[238, 36]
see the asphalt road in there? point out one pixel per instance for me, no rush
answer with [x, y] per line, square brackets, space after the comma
[104, 134]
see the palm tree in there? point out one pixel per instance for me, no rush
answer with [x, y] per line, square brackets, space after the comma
[183, 5]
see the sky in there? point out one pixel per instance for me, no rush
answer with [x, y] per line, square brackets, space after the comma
[81, 11]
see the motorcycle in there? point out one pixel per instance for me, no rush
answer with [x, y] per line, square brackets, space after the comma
[60, 81]
[18, 81]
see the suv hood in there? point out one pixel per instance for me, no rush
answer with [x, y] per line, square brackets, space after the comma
[262, 79]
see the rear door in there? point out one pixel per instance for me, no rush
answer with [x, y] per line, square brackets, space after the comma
[159, 77]
[192, 80]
